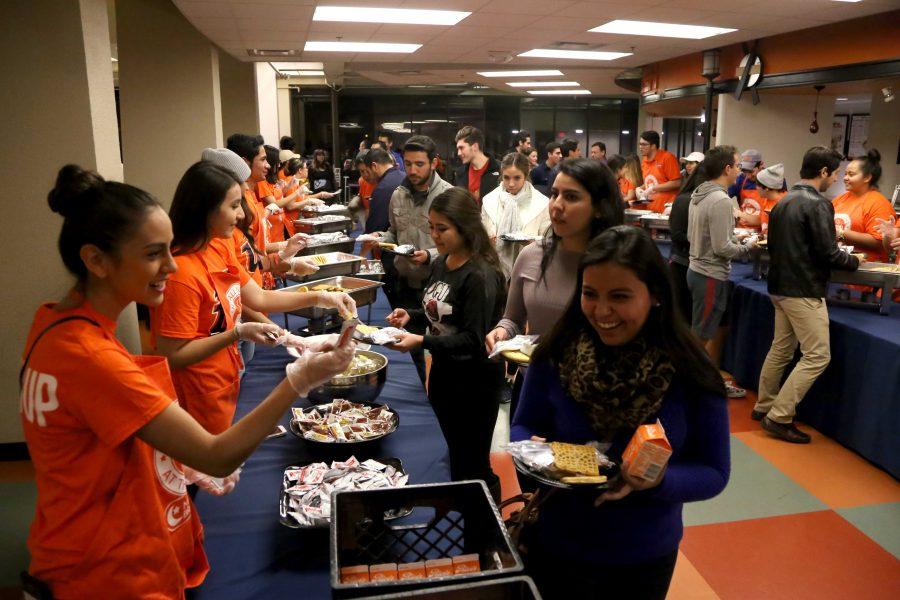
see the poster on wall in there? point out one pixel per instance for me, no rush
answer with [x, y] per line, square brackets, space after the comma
[859, 135]
[839, 133]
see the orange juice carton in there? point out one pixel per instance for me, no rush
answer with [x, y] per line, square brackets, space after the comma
[439, 567]
[647, 453]
[383, 572]
[358, 574]
[466, 563]
[413, 570]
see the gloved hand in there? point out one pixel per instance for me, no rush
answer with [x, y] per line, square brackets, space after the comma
[340, 301]
[886, 228]
[314, 343]
[217, 486]
[260, 333]
[273, 209]
[752, 241]
[292, 246]
[315, 368]
[303, 265]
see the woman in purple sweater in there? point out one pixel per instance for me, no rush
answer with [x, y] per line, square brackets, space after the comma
[621, 356]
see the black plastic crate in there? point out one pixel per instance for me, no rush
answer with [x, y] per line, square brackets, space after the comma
[448, 519]
[510, 588]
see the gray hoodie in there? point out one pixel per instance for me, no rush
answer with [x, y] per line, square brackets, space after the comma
[711, 232]
[409, 225]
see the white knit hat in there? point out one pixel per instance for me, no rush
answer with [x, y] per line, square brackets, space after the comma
[228, 160]
[772, 177]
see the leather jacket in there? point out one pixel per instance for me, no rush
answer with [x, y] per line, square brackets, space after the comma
[803, 246]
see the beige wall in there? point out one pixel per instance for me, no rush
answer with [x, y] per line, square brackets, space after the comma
[778, 127]
[169, 94]
[884, 134]
[238, 91]
[58, 107]
[267, 102]
[284, 109]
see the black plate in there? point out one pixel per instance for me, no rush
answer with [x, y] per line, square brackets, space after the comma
[388, 515]
[611, 475]
[294, 429]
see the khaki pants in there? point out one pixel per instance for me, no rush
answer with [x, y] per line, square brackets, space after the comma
[803, 320]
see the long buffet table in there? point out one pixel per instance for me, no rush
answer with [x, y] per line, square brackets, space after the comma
[252, 555]
[856, 401]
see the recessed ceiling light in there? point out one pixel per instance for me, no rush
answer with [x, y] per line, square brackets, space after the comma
[298, 66]
[848, 0]
[625, 132]
[403, 16]
[559, 92]
[579, 131]
[674, 30]
[360, 47]
[304, 73]
[573, 54]
[544, 73]
[526, 84]
[842, 99]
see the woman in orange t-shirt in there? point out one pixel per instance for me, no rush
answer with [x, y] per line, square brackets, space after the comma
[198, 323]
[857, 212]
[106, 434]
[620, 167]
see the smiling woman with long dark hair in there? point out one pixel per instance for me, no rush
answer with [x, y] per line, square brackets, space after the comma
[621, 356]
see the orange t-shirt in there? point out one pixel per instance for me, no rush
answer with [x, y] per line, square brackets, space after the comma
[112, 517]
[246, 252]
[861, 214]
[275, 226]
[662, 169]
[767, 206]
[203, 299]
[625, 186]
[365, 192]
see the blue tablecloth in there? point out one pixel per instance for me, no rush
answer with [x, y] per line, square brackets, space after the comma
[856, 401]
[252, 555]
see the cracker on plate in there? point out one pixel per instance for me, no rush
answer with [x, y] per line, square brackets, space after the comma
[575, 459]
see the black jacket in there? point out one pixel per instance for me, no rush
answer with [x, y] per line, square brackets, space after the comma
[803, 246]
[490, 179]
[678, 226]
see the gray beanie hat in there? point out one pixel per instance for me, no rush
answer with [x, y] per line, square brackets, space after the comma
[772, 177]
[228, 160]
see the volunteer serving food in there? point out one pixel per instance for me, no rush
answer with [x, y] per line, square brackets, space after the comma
[618, 358]
[857, 211]
[198, 323]
[104, 429]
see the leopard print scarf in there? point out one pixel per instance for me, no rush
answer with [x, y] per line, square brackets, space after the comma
[619, 387]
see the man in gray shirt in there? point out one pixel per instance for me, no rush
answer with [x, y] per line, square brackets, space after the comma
[713, 246]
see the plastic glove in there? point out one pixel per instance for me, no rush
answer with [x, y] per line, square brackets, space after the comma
[303, 265]
[273, 209]
[260, 333]
[315, 368]
[752, 241]
[314, 343]
[217, 486]
[340, 301]
[292, 246]
[886, 228]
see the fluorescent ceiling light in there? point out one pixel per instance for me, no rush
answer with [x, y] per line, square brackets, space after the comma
[114, 59]
[559, 92]
[673, 30]
[526, 84]
[403, 16]
[842, 99]
[360, 47]
[573, 54]
[520, 73]
[298, 66]
[304, 73]
[437, 121]
[625, 132]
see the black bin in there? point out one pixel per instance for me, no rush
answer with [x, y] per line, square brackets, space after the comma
[509, 588]
[448, 519]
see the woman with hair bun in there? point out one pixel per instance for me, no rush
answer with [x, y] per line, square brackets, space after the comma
[857, 211]
[104, 428]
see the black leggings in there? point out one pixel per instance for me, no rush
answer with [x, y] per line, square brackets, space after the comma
[683, 299]
[557, 577]
[465, 396]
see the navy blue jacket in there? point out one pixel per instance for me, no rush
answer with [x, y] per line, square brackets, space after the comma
[380, 202]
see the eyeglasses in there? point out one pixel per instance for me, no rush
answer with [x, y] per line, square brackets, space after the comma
[643, 143]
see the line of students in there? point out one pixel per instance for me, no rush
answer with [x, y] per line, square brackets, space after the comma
[105, 429]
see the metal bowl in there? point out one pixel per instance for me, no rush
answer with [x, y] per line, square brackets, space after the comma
[355, 388]
[395, 423]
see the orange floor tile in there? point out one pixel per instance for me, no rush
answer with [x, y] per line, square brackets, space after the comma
[816, 555]
[688, 583]
[739, 413]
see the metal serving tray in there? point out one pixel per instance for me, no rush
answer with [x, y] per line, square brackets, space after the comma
[317, 226]
[332, 209]
[341, 246]
[363, 292]
[337, 263]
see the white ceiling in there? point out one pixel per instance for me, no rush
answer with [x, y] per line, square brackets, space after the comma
[498, 28]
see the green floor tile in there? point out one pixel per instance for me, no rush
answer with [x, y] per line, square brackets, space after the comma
[756, 490]
[17, 501]
[881, 522]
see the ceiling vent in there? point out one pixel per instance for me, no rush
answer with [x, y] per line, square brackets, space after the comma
[263, 53]
[563, 45]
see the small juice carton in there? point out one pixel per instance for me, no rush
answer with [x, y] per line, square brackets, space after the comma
[439, 567]
[358, 574]
[647, 453]
[466, 563]
[413, 570]
[383, 572]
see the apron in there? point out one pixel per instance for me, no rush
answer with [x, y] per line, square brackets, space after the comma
[214, 409]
